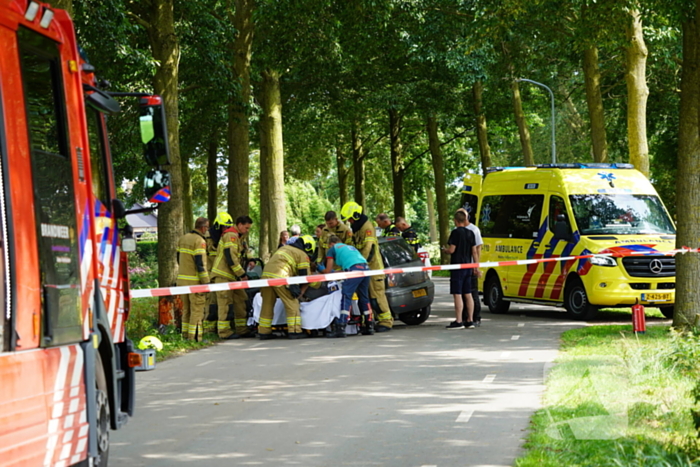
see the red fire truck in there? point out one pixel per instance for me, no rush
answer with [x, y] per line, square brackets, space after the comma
[66, 366]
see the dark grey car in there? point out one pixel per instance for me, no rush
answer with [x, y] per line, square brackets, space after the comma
[409, 294]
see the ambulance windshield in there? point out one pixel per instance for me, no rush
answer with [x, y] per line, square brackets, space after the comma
[620, 214]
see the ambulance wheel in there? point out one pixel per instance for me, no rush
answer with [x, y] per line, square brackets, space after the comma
[576, 300]
[103, 422]
[493, 296]
[414, 318]
[667, 311]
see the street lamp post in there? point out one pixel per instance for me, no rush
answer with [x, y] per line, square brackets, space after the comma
[554, 139]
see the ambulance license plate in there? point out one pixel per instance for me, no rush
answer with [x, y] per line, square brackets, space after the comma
[656, 297]
[420, 293]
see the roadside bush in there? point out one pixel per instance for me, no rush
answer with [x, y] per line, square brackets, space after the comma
[143, 266]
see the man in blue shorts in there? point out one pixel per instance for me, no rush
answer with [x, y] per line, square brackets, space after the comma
[462, 249]
[349, 259]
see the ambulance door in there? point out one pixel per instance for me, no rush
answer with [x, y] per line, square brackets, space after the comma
[550, 276]
[511, 227]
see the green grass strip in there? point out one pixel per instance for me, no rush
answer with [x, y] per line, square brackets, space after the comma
[616, 399]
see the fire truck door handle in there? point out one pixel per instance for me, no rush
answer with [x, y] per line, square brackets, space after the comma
[536, 244]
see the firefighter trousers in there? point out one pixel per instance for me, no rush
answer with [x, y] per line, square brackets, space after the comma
[193, 315]
[223, 322]
[210, 317]
[377, 292]
[267, 312]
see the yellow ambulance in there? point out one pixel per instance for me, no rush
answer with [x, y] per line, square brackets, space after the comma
[560, 210]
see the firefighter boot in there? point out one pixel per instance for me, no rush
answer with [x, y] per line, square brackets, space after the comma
[336, 329]
[367, 328]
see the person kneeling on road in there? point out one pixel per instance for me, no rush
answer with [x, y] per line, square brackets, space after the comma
[287, 261]
[349, 259]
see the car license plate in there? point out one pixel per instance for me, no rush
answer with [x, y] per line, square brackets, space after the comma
[420, 293]
[656, 297]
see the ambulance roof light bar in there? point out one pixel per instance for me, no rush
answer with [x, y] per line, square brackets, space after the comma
[575, 165]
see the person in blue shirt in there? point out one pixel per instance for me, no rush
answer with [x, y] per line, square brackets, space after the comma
[349, 259]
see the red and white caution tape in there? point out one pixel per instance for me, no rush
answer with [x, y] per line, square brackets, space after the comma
[254, 284]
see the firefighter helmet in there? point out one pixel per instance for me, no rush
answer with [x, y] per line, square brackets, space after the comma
[350, 210]
[150, 342]
[223, 219]
[309, 244]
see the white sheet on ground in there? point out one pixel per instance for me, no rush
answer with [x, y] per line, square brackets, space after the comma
[316, 314]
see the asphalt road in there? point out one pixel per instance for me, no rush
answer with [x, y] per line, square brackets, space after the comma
[417, 396]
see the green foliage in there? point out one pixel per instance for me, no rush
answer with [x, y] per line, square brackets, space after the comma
[632, 395]
[143, 266]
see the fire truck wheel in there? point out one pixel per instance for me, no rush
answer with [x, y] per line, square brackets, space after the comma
[103, 422]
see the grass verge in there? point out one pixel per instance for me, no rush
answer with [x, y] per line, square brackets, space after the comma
[616, 399]
[143, 321]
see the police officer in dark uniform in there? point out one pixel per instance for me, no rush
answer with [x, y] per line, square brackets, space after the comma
[408, 233]
[384, 222]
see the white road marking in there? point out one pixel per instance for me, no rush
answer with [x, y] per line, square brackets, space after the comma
[505, 354]
[206, 363]
[464, 416]
[515, 338]
[521, 325]
[489, 378]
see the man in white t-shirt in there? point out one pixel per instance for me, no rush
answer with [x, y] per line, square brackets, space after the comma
[475, 278]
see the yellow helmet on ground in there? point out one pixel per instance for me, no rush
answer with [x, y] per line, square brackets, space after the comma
[224, 218]
[150, 342]
[351, 210]
[309, 244]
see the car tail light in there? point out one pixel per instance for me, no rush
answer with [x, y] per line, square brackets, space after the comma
[423, 255]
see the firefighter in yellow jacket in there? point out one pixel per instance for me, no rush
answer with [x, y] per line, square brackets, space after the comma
[287, 261]
[364, 237]
[228, 268]
[333, 227]
[222, 222]
[192, 258]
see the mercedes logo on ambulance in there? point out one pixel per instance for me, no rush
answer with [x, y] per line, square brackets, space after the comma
[656, 266]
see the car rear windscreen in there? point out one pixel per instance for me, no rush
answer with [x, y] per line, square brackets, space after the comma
[397, 253]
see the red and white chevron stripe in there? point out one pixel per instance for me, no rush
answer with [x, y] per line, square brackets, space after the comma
[204, 288]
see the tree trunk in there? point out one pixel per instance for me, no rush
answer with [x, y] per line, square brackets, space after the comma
[430, 200]
[397, 162]
[238, 128]
[688, 188]
[594, 99]
[440, 187]
[266, 239]
[272, 113]
[637, 93]
[523, 130]
[481, 130]
[166, 52]
[187, 212]
[212, 178]
[358, 166]
[343, 173]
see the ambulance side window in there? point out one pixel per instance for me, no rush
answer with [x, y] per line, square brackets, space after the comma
[54, 195]
[511, 216]
[557, 206]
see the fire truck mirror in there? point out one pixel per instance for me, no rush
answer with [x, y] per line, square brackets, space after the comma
[101, 101]
[154, 132]
[156, 186]
[118, 209]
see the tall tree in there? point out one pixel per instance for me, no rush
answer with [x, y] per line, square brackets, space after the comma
[523, 129]
[166, 52]
[272, 119]
[395, 119]
[688, 193]
[594, 100]
[440, 186]
[637, 93]
[238, 126]
[481, 127]
[359, 151]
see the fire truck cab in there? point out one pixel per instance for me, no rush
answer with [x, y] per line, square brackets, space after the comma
[66, 366]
